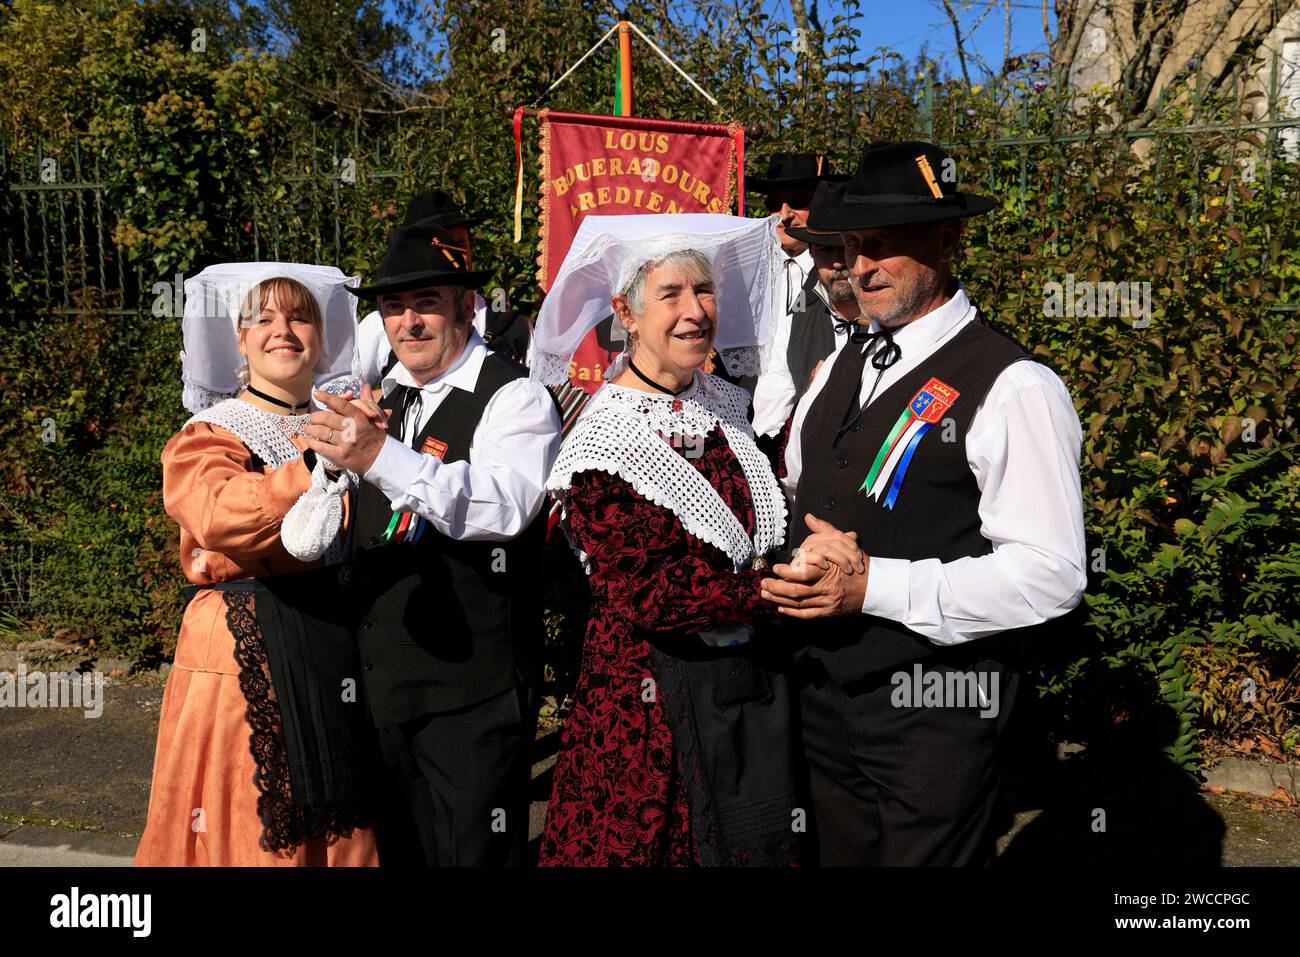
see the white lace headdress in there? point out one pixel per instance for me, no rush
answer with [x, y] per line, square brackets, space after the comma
[608, 250]
[210, 359]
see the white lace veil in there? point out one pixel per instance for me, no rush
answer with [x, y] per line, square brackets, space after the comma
[210, 359]
[608, 250]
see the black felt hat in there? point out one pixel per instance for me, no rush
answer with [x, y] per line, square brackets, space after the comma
[420, 256]
[897, 184]
[820, 198]
[794, 171]
[436, 208]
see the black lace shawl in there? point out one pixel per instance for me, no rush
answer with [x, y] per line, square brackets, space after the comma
[309, 733]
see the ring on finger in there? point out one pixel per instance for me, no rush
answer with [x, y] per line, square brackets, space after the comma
[330, 440]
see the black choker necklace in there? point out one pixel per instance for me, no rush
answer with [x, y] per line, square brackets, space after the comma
[280, 402]
[652, 383]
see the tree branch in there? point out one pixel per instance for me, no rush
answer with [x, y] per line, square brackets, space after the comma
[956, 32]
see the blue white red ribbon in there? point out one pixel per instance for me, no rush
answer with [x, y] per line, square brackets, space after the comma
[925, 410]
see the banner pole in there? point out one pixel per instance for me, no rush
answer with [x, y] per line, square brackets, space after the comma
[581, 61]
[623, 84]
[667, 59]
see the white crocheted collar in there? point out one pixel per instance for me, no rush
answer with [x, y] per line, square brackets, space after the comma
[266, 434]
[628, 433]
[696, 411]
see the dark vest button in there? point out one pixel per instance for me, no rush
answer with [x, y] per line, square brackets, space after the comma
[367, 624]
[857, 427]
[843, 463]
[830, 503]
[370, 666]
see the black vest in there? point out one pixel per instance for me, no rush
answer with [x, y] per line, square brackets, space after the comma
[936, 512]
[812, 337]
[449, 623]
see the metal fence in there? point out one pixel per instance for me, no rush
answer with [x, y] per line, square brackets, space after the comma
[56, 221]
[58, 233]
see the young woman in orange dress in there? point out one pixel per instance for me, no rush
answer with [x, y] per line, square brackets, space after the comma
[264, 747]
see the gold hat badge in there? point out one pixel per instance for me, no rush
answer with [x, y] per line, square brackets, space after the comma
[437, 243]
[924, 165]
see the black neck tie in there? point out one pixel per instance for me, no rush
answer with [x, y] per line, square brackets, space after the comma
[402, 399]
[884, 352]
[792, 300]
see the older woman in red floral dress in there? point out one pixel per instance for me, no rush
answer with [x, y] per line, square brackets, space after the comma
[678, 748]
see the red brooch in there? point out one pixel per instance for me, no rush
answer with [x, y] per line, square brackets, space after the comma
[677, 405]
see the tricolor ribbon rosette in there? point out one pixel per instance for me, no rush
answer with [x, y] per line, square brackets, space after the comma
[927, 408]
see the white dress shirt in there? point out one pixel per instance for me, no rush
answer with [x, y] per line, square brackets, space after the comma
[373, 347]
[1023, 448]
[775, 390]
[498, 491]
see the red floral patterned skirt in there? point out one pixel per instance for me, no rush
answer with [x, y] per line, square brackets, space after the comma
[617, 797]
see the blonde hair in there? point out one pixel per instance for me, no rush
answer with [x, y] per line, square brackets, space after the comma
[290, 295]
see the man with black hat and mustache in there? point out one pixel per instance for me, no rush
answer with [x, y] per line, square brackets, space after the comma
[445, 551]
[502, 329]
[788, 188]
[937, 445]
[825, 312]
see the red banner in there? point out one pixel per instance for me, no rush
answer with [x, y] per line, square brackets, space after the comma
[616, 165]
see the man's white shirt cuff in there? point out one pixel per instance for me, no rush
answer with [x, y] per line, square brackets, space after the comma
[395, 468]
[889, 582]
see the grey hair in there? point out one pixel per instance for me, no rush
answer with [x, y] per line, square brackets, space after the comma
[692, 262]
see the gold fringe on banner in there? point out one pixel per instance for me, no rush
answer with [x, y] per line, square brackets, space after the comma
[544, 162]
[730, 198]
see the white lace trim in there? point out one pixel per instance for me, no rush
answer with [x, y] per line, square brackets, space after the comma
[743, 360]
[265, 433]
[623, 432]
[197, 398]
[337, 385]
[549, 368]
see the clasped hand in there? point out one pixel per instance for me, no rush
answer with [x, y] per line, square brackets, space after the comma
[827, 575]
[349, 432]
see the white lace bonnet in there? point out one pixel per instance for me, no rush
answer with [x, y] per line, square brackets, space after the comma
[608, 250]
[210, 359]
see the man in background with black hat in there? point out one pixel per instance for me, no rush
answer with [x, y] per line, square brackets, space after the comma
[502, 329]
[826, 310]
[446, 545]
[788, 189]
[952, 458]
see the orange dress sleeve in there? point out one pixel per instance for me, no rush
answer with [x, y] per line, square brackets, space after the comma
[215, 492]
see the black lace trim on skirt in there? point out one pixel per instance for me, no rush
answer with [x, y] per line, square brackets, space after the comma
[284, 824]
[753, 842]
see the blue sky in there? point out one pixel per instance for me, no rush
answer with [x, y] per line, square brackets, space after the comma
[906, 26]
